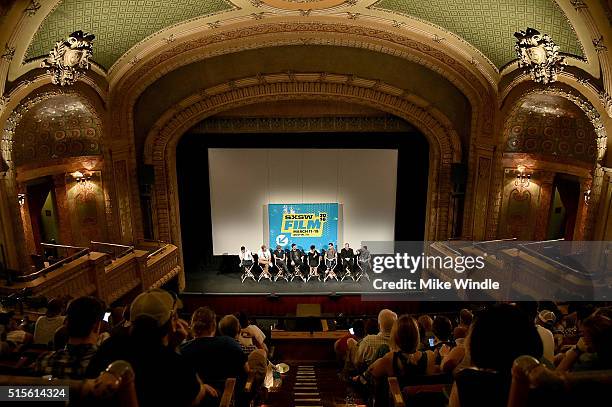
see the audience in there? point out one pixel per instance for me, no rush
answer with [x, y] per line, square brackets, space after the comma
[215, 358]
[465, 320]
[594, 349]
[230, 326]
[47, 324]
[530, 308]
[83, 318]
[162, 376]
[251, 334]
[369, 346]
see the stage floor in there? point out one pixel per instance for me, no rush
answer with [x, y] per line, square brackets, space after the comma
[211, 283]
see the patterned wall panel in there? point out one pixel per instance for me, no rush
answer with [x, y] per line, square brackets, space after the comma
[57, 128]
[489, 25]
[117, 24]
[551, 125]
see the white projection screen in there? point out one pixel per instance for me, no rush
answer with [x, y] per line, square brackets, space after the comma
[244, 181]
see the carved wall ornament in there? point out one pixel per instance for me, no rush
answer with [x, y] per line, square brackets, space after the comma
[539, 55]
[69, 58]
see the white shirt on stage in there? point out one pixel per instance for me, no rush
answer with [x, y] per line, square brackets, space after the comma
[247, 255]
[263, 254]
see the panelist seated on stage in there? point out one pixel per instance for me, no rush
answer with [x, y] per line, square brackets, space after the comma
[246, 258]
[314, 259]
[365, 259]
[330, 257]
[280, 259]
[295, 255]
[263, 258]
[348, 257]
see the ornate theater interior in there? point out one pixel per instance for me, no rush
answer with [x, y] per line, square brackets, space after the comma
[306, 202]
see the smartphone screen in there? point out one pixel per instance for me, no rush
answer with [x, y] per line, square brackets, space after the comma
[352, 331]
[106, 316]
[431, 342]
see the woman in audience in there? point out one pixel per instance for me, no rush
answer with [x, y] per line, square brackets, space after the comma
[594, 349]
[405, 360]
[443, 343]
[465, 320]
[425, 324]
[499, 335]
[249, 333]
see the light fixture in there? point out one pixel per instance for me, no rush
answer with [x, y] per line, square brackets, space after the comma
[522, 180]
[587, 196]
[21, 199]
[80, 177]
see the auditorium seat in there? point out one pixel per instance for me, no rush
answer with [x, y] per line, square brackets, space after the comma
[533, 384]
[431, 391]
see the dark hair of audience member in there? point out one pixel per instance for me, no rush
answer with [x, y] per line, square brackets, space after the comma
[359, 328]
[82, 315]
[405, 334]
[54, 308]
[466, 316]
[371, 326]
[203, 321]
[530, 308]
[442, 328]
[242, 318]
[598, 329]
[229, 326]
[500, 334]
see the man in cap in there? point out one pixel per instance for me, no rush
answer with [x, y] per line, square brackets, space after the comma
[162, 376]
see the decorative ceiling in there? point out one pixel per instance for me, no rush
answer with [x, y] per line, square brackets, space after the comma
[489, 25]
[117, 24]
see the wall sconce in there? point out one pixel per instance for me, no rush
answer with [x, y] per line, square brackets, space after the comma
[522, 180]
[79, 177]
[21, 199]
[587, 196]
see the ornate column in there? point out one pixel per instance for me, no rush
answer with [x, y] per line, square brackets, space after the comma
[545, 179]
[482, 188]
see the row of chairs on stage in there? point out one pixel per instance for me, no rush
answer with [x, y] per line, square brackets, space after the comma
[333, 270]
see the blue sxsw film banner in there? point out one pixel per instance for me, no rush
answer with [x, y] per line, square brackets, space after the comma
[303, 224]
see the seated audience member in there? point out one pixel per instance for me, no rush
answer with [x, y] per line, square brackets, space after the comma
[530, 308]
[47, 324]
[83, 318]
[499, 334]
[405, 360]
[215, 358]
[341, 345]
[348, 257]
[443, 343]
[352, 345]
[230, 326]
[369, 346]
[162, 376]
[594, 349]
[465, 320]
[252, 331]
[15, 333]
[425, 330]
[123, 326]
[246, 258]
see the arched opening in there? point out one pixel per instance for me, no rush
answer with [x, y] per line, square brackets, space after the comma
[232, 165]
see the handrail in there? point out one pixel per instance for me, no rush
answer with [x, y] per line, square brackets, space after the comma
[113, 253]
[549, 259]
[157, 251]
[54, 266]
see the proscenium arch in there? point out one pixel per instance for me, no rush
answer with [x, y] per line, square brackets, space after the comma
[161, 141]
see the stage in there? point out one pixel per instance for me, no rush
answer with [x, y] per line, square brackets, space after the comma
[214, 283]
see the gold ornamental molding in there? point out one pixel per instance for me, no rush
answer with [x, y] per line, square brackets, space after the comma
[160, 146]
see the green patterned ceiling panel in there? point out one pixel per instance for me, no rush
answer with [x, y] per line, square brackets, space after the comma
[489, 25]
[117, 24]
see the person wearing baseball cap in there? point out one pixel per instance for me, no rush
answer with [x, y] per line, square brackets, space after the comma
[163, 377]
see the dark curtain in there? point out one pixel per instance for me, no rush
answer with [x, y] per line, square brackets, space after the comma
[569, 193]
